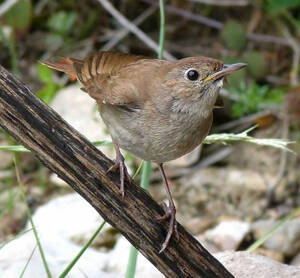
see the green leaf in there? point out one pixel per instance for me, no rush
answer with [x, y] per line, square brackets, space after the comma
[234, 35]
[62, 22]
[251, 98]
[44, 73]
[279, 5]
[48, 92]
[256, 64]
[19, 16]
[14, 148]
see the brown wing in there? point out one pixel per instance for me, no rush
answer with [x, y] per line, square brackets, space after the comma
[102, 75]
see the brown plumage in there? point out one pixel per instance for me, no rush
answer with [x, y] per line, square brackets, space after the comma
[156, 109]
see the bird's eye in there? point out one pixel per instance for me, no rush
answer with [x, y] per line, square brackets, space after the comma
[192, 75]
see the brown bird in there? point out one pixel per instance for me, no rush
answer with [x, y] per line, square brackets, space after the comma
[156, 109]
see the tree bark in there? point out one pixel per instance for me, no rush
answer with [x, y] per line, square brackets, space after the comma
[74, 159]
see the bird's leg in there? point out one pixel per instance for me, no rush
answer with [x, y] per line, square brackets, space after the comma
[170, 211]
[119, 164]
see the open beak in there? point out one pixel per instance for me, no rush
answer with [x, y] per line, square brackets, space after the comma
[226, 70]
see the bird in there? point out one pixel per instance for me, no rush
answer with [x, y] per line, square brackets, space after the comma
[156, 109]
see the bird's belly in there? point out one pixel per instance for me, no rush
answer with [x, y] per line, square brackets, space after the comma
[159, 141]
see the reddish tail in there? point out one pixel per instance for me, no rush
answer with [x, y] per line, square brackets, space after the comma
[65, 65]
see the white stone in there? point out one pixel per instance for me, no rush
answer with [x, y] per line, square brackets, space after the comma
[57, 223]
[228, 234]
[80, 111]
[55, 179]
[249, 265]
[119, 259]
[286, 239]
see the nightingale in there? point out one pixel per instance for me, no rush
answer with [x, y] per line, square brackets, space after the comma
[156, 109]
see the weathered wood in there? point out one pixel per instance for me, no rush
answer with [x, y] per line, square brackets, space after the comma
[83, 167]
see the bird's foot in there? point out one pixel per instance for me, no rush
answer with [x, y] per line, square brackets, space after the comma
[170, 212]
[119, 164]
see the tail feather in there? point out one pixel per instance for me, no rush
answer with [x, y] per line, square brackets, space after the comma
[65, 65]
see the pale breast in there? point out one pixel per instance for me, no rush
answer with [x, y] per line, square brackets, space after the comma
[157, 138]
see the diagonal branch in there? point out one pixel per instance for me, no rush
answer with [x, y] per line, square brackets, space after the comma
[83, 167]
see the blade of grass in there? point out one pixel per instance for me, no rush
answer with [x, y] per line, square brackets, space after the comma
[223, 138]
[19, 148]
[102, 143]
[27, 263]
[146, 175]
[32, 223]
[14, 148]
[138, 170]
[282, 222]
[161, 29]
[131, 266]
[74, 261]
[10, 201]
[132, 259]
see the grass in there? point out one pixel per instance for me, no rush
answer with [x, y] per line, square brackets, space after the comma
[275, 228]
[222, 138]
[10, 45]
[39, 245]
[80, 253]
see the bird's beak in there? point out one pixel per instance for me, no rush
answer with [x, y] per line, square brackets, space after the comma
[226, 70]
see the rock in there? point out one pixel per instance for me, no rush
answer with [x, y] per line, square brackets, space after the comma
[286, 239]
[58, 222]
[228, 235]
[81, 112]
[208, 245]
[229, 190]
[119, 259]
[55, 179]
[58, 252]
[198, 225]
[72, 218]
[272, 254]
[249, 265]
[296, 260]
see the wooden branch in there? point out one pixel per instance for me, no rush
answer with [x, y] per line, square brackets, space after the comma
[83, 167]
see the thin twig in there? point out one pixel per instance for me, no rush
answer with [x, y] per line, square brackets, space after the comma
[125, 31]
[282, 165]
[295, 45]
[134, 29]
[267, 39]
[6, 6]
[250, 119]
[224, 2]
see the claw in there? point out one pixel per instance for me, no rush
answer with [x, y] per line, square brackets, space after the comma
[170, 213]
[119, 164]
